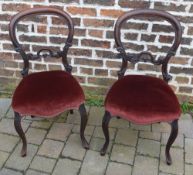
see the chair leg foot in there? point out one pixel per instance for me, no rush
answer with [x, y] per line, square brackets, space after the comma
[84, 119]
[105, 123]
[18, 128]
[32, 116]
[71, 111]
[173, 135]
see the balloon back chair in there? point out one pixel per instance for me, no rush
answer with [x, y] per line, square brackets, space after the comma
[143, 99]
[49, 93]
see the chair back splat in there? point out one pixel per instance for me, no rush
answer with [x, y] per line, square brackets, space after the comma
[49, 53]
[145, 55]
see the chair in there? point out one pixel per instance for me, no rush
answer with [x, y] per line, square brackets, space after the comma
[143, 99]
[49, 93]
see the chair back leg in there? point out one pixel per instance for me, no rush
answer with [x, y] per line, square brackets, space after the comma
[173, 135]
[84, 119]
[105, 125]
[18, 128]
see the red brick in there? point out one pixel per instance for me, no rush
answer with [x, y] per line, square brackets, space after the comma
[5, 17]
[6, 72]
[60, 21]
[80, 52]
[95, 43]
[88, 62]
[4, 36]
[136, 26]
[178, 70]
[45, 6]
[40, 67]
[111, 13]
[185, 89]
[190, 31]
[86, 71]
[148, 67]
[100, 2]
[15, 7]
[134, 4]
[101, 72]
[65, 1]
[41, 29]
[131, 36]
[169, 6]
[186, 51]
[166, 39]
[148, 38]
[81, 11]
[101, 81]
[6, 56]
[162, 28]
[98, 23]
[182, 80]
[179, 60]
[37, 39]
[96, 33]
[104, 54]
[80, 79]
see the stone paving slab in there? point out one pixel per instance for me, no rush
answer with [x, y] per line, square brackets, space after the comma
[4, 106]
[54, 146]
[43, 164]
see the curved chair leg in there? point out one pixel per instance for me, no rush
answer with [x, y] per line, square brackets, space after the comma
[71, 111]
[18, 128]
[173, 135]
[105, 124]
[84, 119]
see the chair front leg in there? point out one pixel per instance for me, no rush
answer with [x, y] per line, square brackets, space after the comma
[173, 135]
[18, 128]
[84, 119]
[71, 111]
[105, 125]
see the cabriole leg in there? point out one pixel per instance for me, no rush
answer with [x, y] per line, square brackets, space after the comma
[18, 128]
[173, 135]
[84, 119]
[105, 124]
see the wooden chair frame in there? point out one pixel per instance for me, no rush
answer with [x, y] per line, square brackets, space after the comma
[46, 53]
[145, 56]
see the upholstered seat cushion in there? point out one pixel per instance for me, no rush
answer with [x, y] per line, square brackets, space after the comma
[142, 100]
[47, 94]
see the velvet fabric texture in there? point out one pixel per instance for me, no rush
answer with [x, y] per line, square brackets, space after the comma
[47, 94]
[142, 100]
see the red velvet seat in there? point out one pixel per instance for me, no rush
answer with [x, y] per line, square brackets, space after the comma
[142, 100]
[47, 94]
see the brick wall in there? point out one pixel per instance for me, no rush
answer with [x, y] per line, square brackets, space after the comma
[93, 54]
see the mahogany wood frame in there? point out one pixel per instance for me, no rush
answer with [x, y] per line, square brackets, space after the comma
[145, 56]
[49, 53]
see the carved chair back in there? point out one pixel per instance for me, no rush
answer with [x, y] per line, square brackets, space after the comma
[146, 55]
[45, 52]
